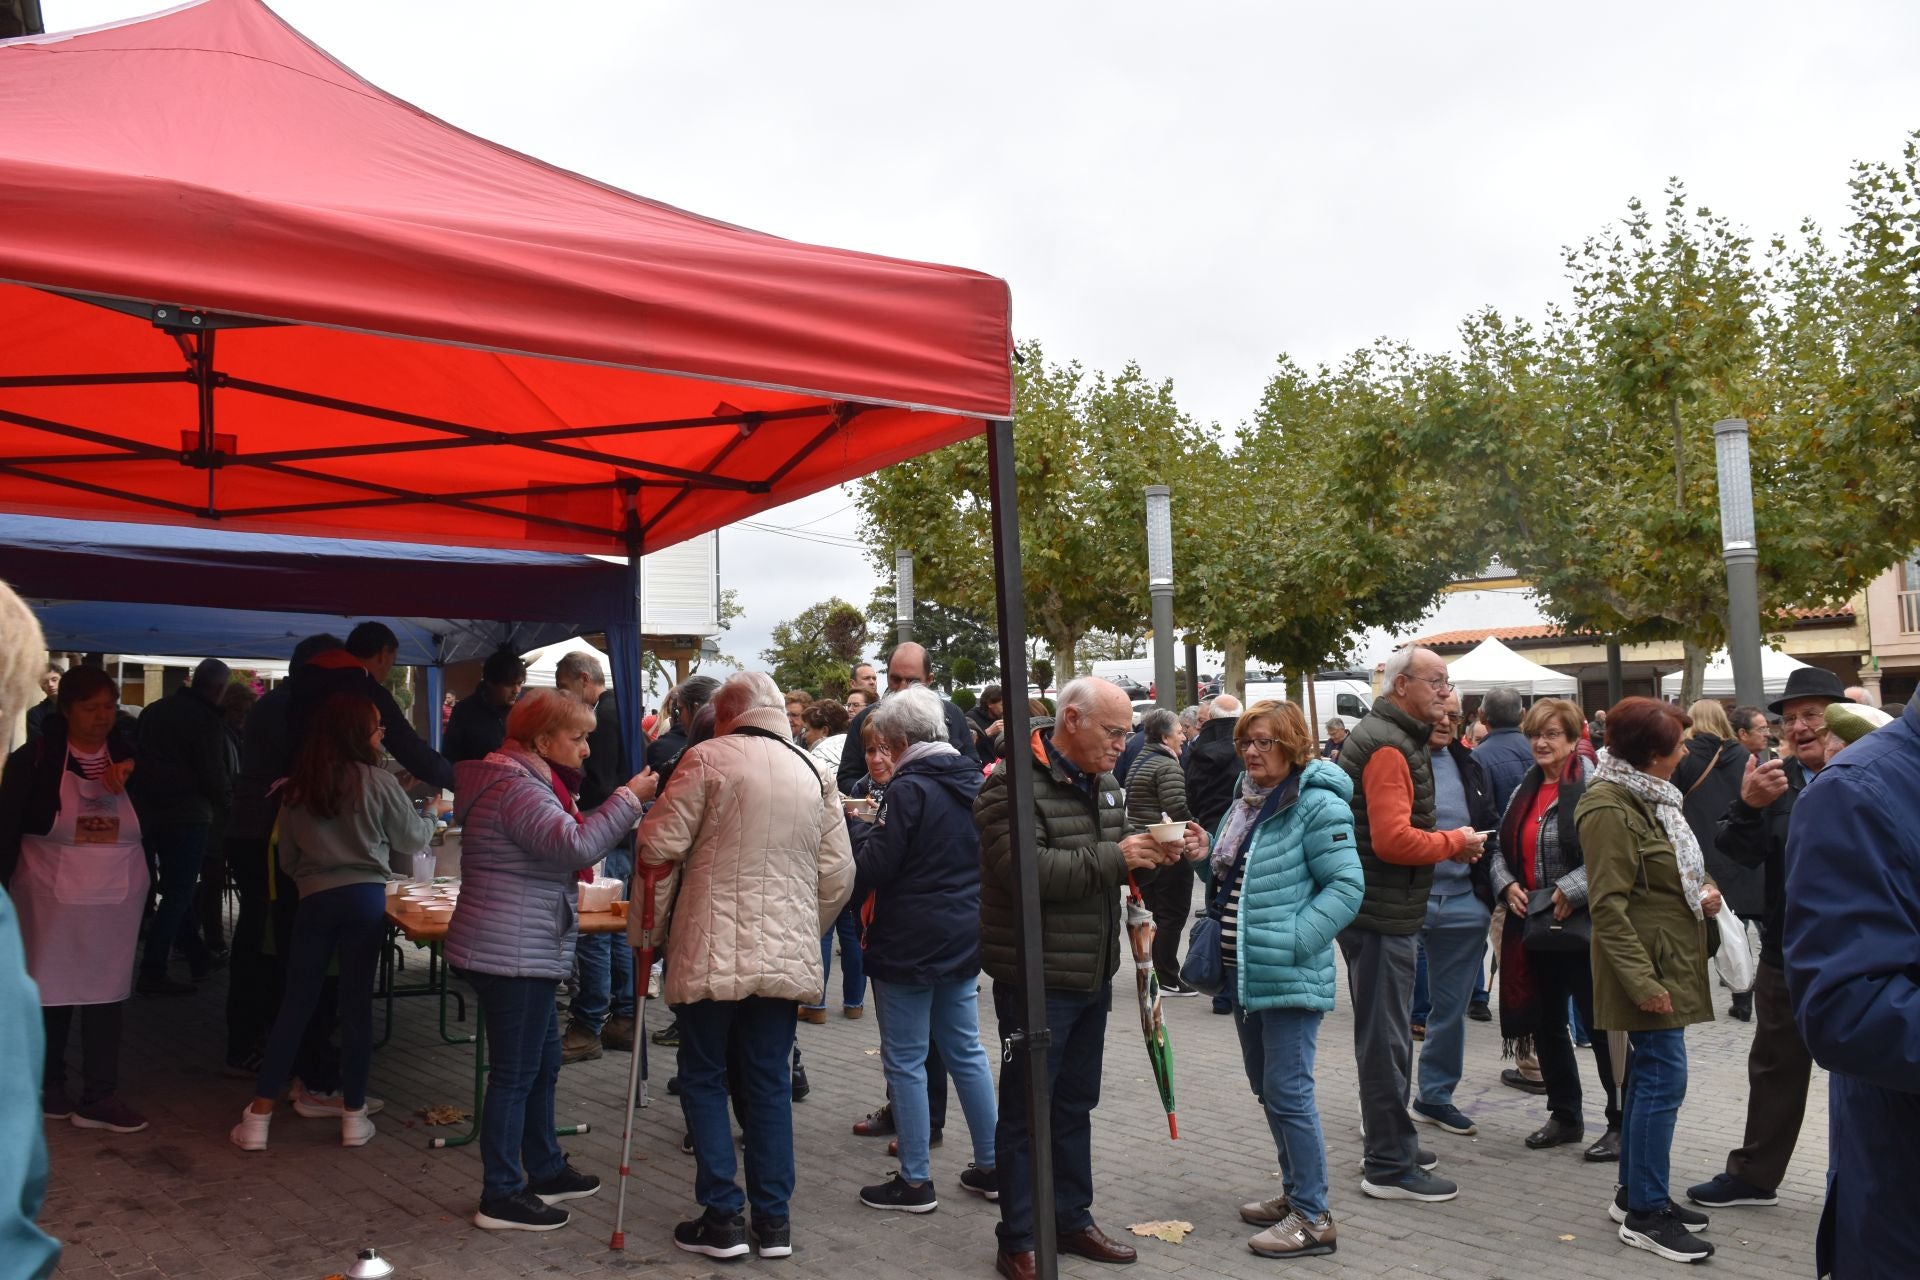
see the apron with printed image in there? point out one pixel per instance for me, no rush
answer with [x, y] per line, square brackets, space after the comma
[79, 891]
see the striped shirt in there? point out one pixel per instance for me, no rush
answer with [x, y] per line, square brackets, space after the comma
[92, 765]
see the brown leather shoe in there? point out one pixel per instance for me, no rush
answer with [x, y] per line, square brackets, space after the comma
[1092, 1242]
[1015, 1266]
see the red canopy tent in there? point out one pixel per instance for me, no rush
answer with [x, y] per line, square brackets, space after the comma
[246, 285]
[241, 285]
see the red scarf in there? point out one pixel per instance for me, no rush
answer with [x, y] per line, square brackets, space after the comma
[558, 779]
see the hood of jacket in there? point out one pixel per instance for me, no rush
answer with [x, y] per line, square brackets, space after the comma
[472, 779]
[1324, 775]
[955, 774]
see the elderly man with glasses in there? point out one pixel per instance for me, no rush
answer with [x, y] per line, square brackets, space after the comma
[1396, 831]
[907, 667]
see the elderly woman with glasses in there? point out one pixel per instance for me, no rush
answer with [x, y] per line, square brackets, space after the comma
[1542, 876]
[1287, 879]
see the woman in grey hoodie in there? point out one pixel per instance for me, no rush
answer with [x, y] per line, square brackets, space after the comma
[343, 819]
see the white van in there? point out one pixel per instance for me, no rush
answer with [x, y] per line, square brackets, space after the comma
[1348, 699]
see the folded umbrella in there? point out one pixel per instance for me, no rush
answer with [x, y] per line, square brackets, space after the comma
[1147, 984]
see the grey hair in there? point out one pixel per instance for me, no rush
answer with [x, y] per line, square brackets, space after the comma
[1336, 723]
[1501, 708]
[1159, 724]
[744, 692]
[1223, 707]
[1397, 665]
[1082, 693]
[574, 664]
[1190, 717]
[911, 715]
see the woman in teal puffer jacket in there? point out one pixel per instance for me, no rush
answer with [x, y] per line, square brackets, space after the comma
[1288, 879]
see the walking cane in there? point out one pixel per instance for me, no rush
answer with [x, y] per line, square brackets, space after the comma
[642, 976]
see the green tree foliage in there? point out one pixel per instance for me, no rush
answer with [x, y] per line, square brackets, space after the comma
[816, 650]
[1086, 446]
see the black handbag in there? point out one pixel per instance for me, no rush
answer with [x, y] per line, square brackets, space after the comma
[1205, 968]
[1543, 933]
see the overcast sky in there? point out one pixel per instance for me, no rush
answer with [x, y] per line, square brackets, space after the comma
[1195, 187]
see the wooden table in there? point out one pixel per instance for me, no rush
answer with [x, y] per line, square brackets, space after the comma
[409, 920]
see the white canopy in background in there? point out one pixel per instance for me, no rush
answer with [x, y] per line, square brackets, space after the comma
[542, 663]
[1491, 665]
[1775, 667]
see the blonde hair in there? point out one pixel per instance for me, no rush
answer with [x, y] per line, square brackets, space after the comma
[541, 712]
[1710, 717]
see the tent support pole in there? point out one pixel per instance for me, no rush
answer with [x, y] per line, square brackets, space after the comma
[203, 381]
[1036, 1039]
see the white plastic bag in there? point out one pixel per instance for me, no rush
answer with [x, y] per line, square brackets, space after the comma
[1734, 961]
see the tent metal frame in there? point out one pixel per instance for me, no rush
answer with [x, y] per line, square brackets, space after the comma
[196, 332]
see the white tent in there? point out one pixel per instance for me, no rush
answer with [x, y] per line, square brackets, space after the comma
[542, 663]
[1775, 667]
[1491, 665]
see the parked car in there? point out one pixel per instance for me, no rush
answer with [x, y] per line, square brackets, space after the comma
[1140, 708]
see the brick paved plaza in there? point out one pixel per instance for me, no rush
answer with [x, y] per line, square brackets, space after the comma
[179, 1201]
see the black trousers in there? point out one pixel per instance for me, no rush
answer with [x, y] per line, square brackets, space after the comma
[257, 980]
[1169, 896]
[1559, 976]
[1779, 1069]
[99, 1049]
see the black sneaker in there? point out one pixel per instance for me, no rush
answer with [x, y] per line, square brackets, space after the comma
[521, 1211]
[673, 1086]
[568, 1184]
[714, 1234]
[1726, 1192]
[1663, 1234]
[686, 1143]
[899, 1194]
[1175, 987]
[772, 1237]
[668, 1037]
[1691, 1219]
[1479, 1011]
[1417, 1185]
[982, 1182]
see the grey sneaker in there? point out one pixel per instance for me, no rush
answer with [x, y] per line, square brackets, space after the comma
[1418, 1185]
[1296, 1236]
[1265, 1213]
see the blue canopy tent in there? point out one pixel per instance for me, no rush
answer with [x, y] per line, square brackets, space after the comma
[103, 586]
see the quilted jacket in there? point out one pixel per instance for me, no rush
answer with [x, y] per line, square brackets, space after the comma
[755, 827]
[519, 849]
[1302, 885]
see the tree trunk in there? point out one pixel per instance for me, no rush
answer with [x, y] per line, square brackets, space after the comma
[1065, 655]
[1296, 688]
[1233, 679]
[1693, 672]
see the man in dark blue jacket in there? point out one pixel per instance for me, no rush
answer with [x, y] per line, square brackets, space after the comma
[1504, 755]
[1852, 934]
[907, 668]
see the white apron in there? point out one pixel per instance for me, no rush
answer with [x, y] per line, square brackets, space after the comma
[79, 891]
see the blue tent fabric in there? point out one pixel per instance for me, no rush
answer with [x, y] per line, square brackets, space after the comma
[111, 587]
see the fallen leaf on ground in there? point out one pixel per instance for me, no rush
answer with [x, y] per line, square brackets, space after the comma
[1171, 1232]
[872, 1053]
[444, 1115]
[1566, 1237]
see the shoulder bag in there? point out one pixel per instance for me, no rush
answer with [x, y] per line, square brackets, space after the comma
[1205, 968]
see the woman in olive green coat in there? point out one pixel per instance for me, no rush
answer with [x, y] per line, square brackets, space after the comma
[1651, 903]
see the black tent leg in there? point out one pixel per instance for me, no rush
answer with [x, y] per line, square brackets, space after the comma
[1011, 599]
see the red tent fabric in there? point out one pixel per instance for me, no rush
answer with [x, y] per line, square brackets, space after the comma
[466, 345]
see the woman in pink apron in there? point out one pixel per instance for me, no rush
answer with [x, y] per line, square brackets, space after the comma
[78, 878]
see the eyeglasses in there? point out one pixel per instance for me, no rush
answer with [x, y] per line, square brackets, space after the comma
[1115, 732]
[1454, 717]
[1440, 683]
[1811, 719]
[1555, 734]
[1261, 745]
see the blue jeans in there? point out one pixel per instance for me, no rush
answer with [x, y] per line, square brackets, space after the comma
[1277, 1046]
[1078, 1020]
[1423, 995]
[351, 919]
[1656, 1086]
[949, 1015]
[178, 850]
[1454, 936]
[853, 969]
[605, 964]
[517, 1144]
[762, 1030]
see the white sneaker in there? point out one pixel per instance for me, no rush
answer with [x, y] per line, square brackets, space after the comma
[355, 1128]
[251, 1133]
[325, 1106]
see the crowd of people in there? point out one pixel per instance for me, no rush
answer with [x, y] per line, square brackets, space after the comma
[1577, 875]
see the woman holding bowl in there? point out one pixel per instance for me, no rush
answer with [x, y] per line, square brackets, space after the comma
[1651, 900]
[512, 936]
[1288, 876]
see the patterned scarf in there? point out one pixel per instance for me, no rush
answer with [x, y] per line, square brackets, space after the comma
[1240, 816]
[1664, 799]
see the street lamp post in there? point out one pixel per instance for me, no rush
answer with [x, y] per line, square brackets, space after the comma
[1160, 589]
[1742, 555]
[903, 594]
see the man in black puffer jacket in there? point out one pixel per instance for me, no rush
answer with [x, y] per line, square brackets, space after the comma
[1084, 855]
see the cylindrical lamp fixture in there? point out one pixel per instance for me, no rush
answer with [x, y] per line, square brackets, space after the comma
[903, 593]
[1160, 589]
[1741, 554]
